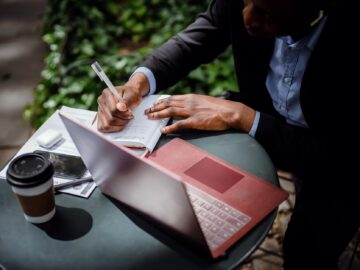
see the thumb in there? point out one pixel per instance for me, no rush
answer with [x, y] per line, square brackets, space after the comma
[130, 99]
[122, 105]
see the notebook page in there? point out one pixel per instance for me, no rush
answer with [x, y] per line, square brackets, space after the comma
[140, 131]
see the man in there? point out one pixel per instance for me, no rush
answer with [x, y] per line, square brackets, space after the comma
[292, 64]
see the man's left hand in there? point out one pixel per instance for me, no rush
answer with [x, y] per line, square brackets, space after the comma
[202, 113]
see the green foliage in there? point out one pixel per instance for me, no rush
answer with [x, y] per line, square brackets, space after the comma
[77, 32]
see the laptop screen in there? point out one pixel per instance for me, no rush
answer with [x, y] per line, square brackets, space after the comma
[138, 183]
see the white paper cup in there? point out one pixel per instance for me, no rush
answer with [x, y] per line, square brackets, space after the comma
[31, 178]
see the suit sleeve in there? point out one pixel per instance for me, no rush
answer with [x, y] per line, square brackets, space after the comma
[291, 148]
[198, 44]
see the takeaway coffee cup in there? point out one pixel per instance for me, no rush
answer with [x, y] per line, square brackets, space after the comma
[31, 178]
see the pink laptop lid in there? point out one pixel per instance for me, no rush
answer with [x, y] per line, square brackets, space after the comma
[230, 184]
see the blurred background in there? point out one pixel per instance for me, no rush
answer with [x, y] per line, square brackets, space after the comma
[22, 55]
[46, 48]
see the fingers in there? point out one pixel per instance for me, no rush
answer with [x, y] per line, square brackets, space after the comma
[113, 118]
[168, 112]
[107, 99]
[130, 98]
[177, 100]
[177, 126]
[108, 105]
[168, 107]
[109, 117]
[108, 123]
[103, 126]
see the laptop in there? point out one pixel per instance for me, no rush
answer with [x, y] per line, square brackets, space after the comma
[198, 197]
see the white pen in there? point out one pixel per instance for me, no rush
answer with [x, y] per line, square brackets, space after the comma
[100, 72]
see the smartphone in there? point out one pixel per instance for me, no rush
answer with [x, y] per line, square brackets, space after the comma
[65, 166]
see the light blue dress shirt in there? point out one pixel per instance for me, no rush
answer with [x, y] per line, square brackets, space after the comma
[286, 71]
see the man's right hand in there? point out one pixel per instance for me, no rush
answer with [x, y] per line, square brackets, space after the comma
[113, 115]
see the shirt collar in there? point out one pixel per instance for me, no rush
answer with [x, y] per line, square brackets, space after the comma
[309, 41]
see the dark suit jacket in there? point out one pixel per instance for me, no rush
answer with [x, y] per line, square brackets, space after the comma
[325, 90]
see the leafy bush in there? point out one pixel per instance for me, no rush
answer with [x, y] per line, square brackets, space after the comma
[118, 34]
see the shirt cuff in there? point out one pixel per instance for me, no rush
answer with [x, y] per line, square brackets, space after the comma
[150, 76]
[255, 124]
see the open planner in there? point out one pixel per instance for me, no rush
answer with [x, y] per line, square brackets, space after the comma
[140, 132]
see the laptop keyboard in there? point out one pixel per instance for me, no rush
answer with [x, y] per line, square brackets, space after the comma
[218, 220]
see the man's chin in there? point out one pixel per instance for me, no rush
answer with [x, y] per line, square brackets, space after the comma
[257, 35]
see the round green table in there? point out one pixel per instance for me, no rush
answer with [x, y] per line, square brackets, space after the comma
[94, 234]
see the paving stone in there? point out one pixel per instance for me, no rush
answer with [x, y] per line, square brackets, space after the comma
[292, 199]
[285, 175]
[272, 245]
[285, 206]
[268, 263]
[247, 266]
[16, 131]
[6, 154]
[263, 258]
[345, 259]
[21, 61]
[287, 185]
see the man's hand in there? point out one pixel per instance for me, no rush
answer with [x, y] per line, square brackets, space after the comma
[113, 115]
[203, 113]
